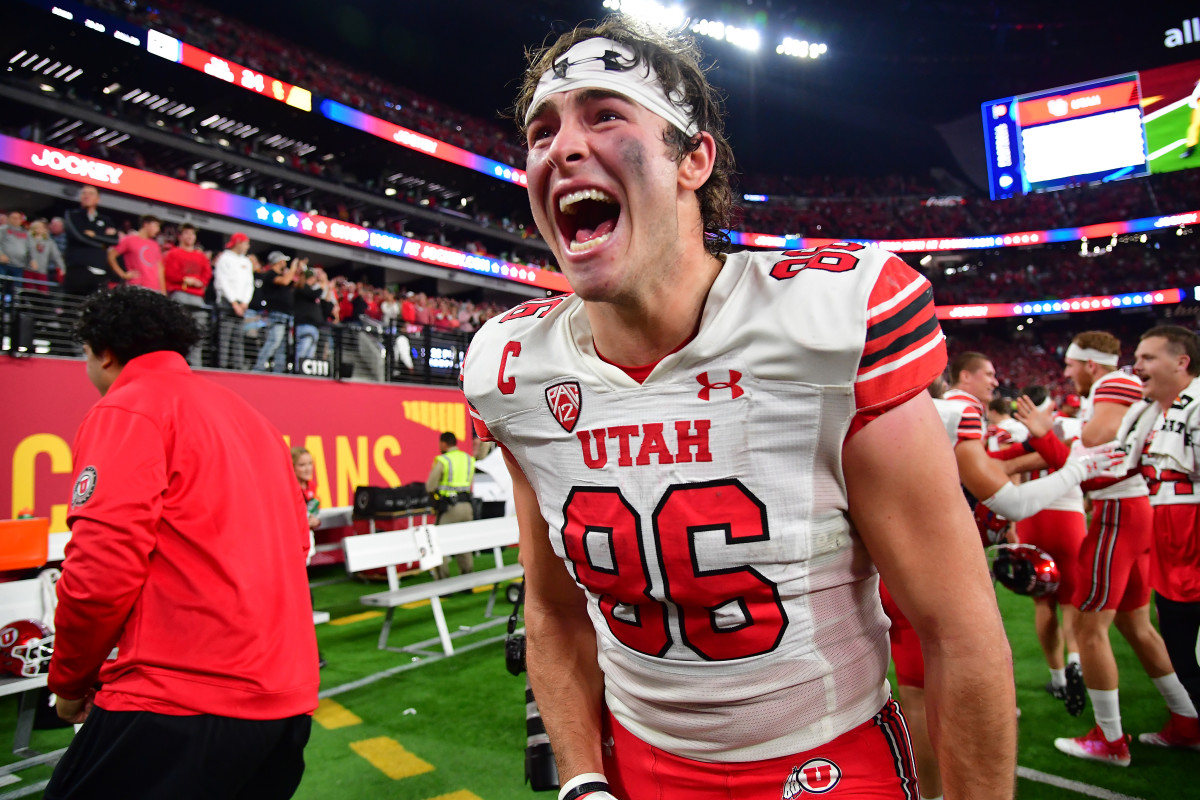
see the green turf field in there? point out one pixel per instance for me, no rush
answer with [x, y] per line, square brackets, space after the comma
[1166, 130]
[453, 729]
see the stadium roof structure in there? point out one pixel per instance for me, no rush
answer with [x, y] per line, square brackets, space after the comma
[869, 106]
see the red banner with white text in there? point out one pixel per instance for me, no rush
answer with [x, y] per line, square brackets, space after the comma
[358, 433]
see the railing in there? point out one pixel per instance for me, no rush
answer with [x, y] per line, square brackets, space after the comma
[37, 318]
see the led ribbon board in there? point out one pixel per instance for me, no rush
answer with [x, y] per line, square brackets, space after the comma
[982, 242]
[1071, 305]
[170, 48]
[422, 144]
[171, 191]
[180, 52]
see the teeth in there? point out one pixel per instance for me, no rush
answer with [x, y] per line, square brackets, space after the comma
[566, 202]
[583, 247]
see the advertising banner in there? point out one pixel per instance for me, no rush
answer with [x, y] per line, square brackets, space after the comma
[359, 434]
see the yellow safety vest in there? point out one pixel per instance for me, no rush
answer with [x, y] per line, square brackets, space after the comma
[458, 471]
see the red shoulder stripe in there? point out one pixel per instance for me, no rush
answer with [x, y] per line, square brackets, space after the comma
[904, 348]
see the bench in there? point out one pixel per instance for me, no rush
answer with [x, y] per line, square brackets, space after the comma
[428, 544]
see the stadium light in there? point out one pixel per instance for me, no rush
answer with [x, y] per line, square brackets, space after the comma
[800, 48]
[745, 38]
[649, 11]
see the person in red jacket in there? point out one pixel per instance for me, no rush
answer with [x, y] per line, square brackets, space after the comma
[195, 574]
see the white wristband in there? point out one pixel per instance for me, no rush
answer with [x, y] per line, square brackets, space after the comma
[568, 788]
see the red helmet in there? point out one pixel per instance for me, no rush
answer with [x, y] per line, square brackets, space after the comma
[1025, 569]
[25, 648]
[991, 526]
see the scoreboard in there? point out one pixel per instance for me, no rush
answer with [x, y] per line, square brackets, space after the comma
[1124, 126]
[1076, 134]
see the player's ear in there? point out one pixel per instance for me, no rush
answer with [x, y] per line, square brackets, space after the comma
[697, 165]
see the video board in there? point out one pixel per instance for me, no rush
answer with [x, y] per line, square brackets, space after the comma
[1123, 126]
[1076, 134]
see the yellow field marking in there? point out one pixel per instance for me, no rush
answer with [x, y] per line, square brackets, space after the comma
[416, 604]
[353, 618]
[331, 714]
[479, 589]
[389, 757]
[461, 794]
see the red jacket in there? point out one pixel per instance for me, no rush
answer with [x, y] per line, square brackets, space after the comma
[187, 552]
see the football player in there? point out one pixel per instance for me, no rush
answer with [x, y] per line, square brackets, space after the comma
[1115, 558]
[712, 454]
[1168, 362]
[1059, 531]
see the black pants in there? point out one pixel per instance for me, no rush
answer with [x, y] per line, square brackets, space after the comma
[138, 754]
[1179, 624]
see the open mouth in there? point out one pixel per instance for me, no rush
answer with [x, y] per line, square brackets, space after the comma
[587, 218]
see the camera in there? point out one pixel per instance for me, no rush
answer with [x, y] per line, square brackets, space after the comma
[540, 769]
[514, 653]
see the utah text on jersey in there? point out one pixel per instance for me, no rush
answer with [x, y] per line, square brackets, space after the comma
[703, 511]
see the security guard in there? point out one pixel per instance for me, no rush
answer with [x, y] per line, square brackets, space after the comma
[449, 483]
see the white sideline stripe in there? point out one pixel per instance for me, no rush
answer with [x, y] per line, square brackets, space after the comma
[26, 791]
[1167, 109]
[387, 673]
[1074, 786]
[1162, 151]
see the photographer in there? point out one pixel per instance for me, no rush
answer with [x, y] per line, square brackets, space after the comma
[277, 297]
[310, 289]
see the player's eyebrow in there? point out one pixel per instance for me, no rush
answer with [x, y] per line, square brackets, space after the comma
[583, 98]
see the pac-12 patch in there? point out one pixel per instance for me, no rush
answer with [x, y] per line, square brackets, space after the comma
[85, 484]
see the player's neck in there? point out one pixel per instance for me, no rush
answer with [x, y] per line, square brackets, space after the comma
[644, 329]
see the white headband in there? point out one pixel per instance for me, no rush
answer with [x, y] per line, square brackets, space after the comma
[600, 63]
[1088, 354]
[1047, 404]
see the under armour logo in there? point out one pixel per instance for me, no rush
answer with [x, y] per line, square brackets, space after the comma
[611, 59]
[731, 384]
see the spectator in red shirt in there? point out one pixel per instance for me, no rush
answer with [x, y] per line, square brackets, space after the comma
[187, 271]
[142, 256]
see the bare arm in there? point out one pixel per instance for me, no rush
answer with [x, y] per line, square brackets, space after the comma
[1025, 463]
[980, 473]
[910, 519]
[1104, 424]
[114, 266]
[561, 656]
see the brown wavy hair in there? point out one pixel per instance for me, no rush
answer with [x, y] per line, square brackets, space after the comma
[675, 58]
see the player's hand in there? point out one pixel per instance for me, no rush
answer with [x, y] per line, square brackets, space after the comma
[74, 711]
[1039, 422]
[1097, 460]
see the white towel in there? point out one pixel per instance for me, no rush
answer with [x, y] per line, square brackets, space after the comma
[1170, 435]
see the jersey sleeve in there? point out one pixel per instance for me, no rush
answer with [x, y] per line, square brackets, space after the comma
[1123, 389]
[905, 348]
[970, 425]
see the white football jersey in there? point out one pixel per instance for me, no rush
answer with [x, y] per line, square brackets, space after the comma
[704, 511]
[951, 413]
[1124, 389]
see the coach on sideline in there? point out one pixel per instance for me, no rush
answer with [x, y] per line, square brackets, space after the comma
[195, 573]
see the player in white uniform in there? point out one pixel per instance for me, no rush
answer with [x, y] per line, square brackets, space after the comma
[700, 528]
[1114, 586]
